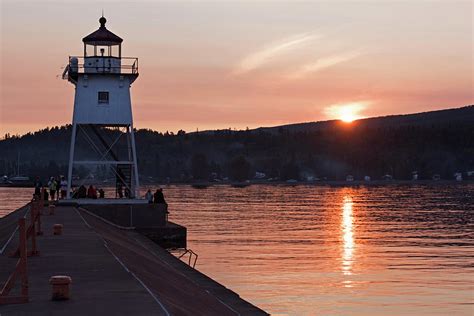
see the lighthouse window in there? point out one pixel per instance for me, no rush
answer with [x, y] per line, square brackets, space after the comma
[103, 97]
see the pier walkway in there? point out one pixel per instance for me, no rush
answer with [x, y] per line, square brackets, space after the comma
[113, 271]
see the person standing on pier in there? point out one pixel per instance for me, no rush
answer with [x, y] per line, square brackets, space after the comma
[158, 197]
[91, 192]
[45, 193]
[120, 190]
[82, 192]
[38, 185]
[52, 185]
[63, 186]
[149, 196]
[127, 192]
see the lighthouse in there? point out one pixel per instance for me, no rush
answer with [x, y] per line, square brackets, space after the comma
[102, 123]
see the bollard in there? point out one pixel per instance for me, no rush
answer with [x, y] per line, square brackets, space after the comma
[60, 287]
[57, 229]
[51, 209]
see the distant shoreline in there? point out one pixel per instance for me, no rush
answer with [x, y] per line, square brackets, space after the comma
[317, 183]
[330, 183]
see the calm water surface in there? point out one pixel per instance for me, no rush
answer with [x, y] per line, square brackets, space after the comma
[305, 250]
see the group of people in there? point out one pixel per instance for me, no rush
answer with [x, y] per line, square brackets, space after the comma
[155, 198]
[120, 192]
[90, 193]
[93, 193]
[56, 188]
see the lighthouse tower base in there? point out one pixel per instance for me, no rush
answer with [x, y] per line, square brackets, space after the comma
[105, 149]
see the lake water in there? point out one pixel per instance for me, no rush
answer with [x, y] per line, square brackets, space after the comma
[305, 250]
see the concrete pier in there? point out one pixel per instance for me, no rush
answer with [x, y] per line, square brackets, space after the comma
[150, 220]
[114, 271]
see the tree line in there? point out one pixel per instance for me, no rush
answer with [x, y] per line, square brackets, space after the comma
[331, 151]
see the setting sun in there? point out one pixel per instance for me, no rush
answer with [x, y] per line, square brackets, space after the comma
[347, 112]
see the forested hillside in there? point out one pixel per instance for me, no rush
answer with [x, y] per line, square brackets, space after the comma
[440, 142]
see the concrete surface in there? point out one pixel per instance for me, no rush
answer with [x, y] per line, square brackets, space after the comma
[114, 272]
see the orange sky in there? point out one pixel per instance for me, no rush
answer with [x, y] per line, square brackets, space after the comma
[235, 64]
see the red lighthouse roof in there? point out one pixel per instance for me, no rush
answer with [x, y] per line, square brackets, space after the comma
[102, 36]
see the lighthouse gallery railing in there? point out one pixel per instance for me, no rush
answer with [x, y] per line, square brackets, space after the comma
[102, 65]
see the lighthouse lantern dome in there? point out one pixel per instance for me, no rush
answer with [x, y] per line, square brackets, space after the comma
[102, 42]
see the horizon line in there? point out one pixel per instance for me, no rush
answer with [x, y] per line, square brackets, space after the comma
[2, 137]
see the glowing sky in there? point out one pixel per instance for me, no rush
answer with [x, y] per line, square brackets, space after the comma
[243, 64]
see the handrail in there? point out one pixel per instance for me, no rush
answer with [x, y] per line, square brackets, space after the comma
[34, 229]
[191, 254]
[76, 64]
[21, 268]
[113, 57]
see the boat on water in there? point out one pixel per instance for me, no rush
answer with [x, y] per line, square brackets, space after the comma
[16, 182]
[200, 185]
[240, 184]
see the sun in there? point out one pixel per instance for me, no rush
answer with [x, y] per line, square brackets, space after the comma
[346, 112]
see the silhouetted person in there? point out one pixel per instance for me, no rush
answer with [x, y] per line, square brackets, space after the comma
[120, 191]
[149, 196]
[91, 192]
[101, 193]
[38, 185]
[63, 187]
[158, 197]
[74, 193]
[82, 192]
[53, 186]
[46, 195]
[127, 193]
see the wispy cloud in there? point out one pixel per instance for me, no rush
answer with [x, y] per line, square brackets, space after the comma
[264, 55]
[323, 63]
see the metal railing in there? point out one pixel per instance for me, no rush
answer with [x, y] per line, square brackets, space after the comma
[181, 252]
[21, 269]
[101, 65]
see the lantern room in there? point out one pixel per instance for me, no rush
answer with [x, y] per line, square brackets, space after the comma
[102, 55]
[102, 51]
[102, 43]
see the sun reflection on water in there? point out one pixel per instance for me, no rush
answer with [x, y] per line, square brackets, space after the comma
[348, 239]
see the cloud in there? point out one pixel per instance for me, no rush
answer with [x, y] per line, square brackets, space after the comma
[264, 55]
[323, 63]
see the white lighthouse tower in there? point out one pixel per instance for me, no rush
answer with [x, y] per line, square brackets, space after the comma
[102, 118]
